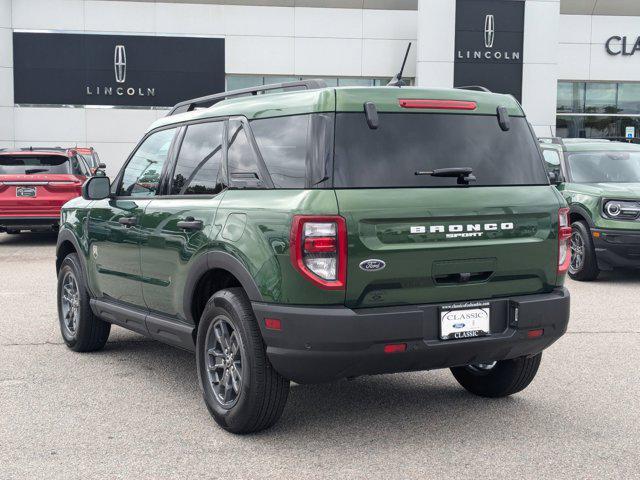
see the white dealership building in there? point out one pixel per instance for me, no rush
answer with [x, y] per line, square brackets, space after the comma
[97, 73]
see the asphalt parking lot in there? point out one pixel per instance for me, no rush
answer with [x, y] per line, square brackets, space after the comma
[134, 409]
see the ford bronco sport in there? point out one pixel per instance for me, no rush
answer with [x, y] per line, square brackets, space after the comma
[301, 233]
[601, 182]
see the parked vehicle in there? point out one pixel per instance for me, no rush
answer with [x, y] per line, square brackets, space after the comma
[323, 233]
[600, 180]
[35, 183]
[91, 158]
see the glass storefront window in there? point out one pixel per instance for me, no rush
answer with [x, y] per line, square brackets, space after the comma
[629, 98]
[236, 82]
[601, 98]
[278, 79]
[597, 109]
[596, 126]
[571, 97]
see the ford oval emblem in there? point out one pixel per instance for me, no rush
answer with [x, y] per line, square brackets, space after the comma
[458, 325]
[372, 265]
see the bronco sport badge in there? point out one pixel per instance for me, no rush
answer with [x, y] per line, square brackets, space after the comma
[464, 231]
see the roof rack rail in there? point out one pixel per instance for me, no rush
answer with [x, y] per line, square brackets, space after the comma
[474, 87]
[31, 148]
[209, 100]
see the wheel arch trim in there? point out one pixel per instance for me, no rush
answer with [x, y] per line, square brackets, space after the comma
[583, 212]
[212, 261]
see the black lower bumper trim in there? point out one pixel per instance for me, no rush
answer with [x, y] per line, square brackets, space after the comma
[29, 223]
[318, 344]
[616, 248]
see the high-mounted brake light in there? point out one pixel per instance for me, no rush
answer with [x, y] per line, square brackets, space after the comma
[318, 249]
[437, 104]
[564, 241]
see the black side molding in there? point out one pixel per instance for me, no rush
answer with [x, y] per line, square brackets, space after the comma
[164, 329]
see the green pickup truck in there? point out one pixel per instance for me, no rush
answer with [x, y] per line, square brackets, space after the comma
[301, 233]
[600, 180]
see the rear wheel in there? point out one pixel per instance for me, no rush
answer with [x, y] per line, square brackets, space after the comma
[241, 389]
[498, 379]
[81, 330]
[584, 265]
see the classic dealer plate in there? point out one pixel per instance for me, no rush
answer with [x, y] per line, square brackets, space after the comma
[25, 191]
[464, 320]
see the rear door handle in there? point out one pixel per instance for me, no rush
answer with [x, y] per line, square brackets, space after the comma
[190, 223]
[128, 221]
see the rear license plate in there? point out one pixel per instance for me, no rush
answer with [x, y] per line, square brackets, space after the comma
[466, 320]
[25, 191]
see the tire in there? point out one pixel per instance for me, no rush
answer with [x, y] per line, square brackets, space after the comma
[81, 330]
[584, 265]
[504, 378]
[261, 392]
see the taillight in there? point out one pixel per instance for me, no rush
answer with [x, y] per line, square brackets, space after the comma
[564, 241]
[318, 246]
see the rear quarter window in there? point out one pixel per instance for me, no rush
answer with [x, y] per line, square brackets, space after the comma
[283, 142]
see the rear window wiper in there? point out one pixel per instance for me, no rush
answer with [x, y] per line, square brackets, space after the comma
[35, 170]
[464, 174]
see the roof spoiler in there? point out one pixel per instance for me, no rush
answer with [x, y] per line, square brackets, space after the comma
[209, 100]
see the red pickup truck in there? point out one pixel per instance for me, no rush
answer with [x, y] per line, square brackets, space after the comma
[35, 183]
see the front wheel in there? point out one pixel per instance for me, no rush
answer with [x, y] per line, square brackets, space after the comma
[241, 389]
[498, 379]
[81, 330]
[584, 265]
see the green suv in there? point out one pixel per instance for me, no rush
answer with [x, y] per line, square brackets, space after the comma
[302, 233]
[601, 182]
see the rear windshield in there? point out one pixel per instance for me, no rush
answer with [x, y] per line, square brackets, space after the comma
[405, 143]
[35, 164]
[604, 167]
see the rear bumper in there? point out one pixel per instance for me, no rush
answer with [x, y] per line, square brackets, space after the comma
[617, 248]
[29, 223]
[319, 344]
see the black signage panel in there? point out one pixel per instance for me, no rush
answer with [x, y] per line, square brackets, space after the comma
[488, 50]
[130, 70]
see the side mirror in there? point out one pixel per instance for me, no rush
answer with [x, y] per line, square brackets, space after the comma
[555, 178]
[102, 166]
[96, 188]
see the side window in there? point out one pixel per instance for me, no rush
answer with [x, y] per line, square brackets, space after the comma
[283, 144]
[141, 177]
[198, 167]
[241, 158]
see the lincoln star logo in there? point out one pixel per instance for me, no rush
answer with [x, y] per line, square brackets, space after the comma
[120, 63]
[489, 31]
[488, 53]
[120, 73]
